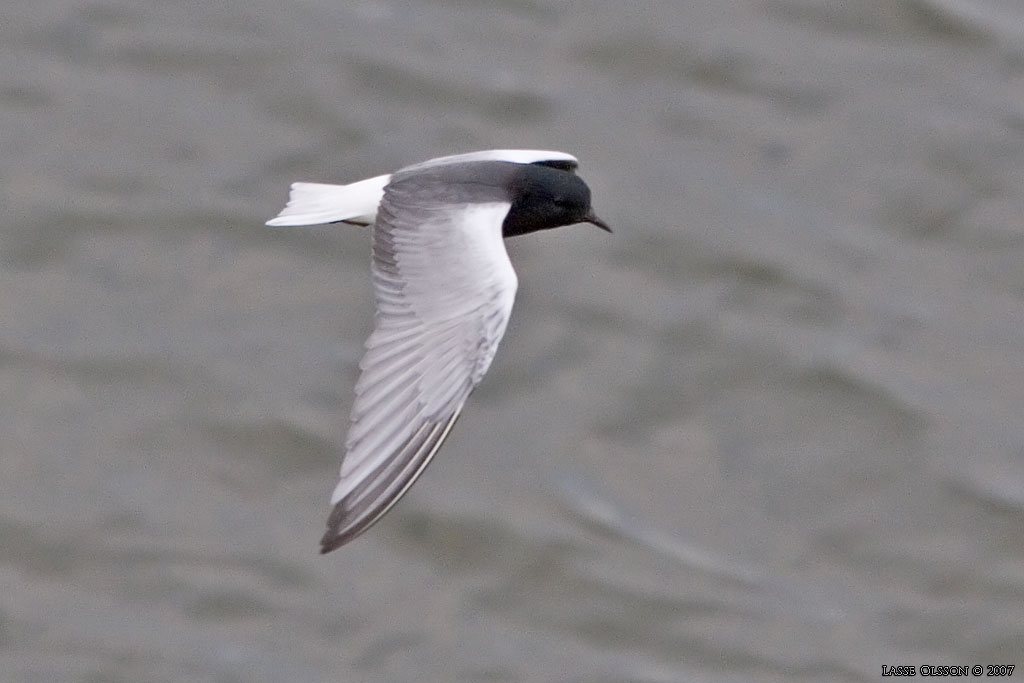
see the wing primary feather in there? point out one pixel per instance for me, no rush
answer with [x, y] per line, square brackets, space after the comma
[385, 430]
[346, 523]
[390, 482]
[366, 490]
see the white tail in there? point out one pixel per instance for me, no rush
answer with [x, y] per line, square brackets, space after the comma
[318, 203]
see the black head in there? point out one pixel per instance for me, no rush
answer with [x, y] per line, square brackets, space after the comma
[544, 197]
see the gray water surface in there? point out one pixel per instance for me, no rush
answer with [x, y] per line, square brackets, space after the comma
[769, 430]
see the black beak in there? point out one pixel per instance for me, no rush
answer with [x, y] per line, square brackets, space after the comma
[591, 218]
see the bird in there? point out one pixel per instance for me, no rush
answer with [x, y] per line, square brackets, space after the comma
[444, 288]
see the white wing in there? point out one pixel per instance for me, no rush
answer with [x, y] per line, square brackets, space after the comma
[444, 288]
[518, 156]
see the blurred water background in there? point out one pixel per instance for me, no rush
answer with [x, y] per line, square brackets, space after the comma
[769, 430]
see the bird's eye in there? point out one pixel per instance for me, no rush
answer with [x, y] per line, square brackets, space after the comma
[560, 201]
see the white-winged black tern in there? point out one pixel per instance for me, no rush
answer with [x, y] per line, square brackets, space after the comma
[444, 289]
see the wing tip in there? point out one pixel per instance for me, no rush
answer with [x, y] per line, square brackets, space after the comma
[517, 156]
[334, 537]
[346, 522]
[330, 543]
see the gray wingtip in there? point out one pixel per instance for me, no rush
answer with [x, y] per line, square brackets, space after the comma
[347, 521]
[333, 538]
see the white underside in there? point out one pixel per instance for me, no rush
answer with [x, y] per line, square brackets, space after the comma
[435, 337]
